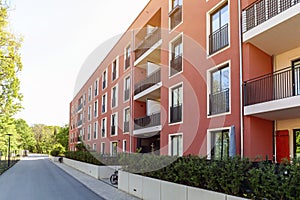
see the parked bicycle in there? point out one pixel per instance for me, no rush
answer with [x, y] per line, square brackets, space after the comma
[114, 178]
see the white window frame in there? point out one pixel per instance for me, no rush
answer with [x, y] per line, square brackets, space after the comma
[104, 102]
[89, 132]
[104, 77]
[117, 69]
[124, 116]
[116, 124]
[170, 103]
[94, 147]
[170, 53]
[124, 146]
[90, 113]
[127, 77]
[116, 96]
[111, 147]
[105, 127]
[125, 54]
[96, 112]
[170, 9]
[170, 145]
[208, 138]
[102, 148]
[90, 91]
[95, 130]
[208, 27]
[208, 87]
[96, 87]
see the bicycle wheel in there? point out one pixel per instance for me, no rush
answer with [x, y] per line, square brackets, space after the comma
[114, 179]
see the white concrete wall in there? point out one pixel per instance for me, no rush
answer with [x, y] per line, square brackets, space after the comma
[155, 189]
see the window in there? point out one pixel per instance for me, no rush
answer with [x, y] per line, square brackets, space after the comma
[218, 38]
[96, 109]
[114, 97]
[104, 103]
[84, 99]
[175, 13]
[127, 57]
[94, 147]
[114, 70]
[219, 97]
[104, 79]
[102, 148]
[124, 145]
[176, 57]
[220, 144]
[296, 76]
[89, 113]
[96, 87]
[89, 132]
[114, 148]
[126, 119]
[96, 130]
[103, 128]
[176, 104]
[127, 88]
[90, 94]
[114, 124]
[175, 145]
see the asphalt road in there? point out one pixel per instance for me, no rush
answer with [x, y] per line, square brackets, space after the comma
[37, 178]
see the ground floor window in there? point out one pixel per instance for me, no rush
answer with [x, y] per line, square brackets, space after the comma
[297, 143]
[102, 148]
[220, 144]
[175, 145]
[114, 148]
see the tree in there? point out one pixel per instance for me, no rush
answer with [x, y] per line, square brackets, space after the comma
[26, 136]
[10, 66]
[62, 137]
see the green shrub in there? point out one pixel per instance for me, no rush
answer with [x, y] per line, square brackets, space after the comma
[57, 150]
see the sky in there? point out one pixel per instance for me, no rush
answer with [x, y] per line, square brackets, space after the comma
[58, 36]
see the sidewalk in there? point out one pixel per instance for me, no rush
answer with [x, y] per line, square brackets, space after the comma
[101, 188]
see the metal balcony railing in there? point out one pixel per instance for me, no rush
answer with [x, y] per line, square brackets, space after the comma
[148, 42]
[176, 114]
[175, 16]
[79, 123]
[277, 85]
[151, 80]
[218, 39]
[79, 107]
[176, 65]
[147, 121]
[219, 102]
[263, 10]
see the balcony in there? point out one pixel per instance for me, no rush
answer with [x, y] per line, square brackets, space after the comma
[218, 39]
[266, 21]
[148, 85]
[176, 114]
[274, 96]
[147, 125]
[219, 102]
[149, 41]
[176, 65]
[126, 127]
[175, 16]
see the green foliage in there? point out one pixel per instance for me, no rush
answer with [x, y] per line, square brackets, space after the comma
[62, 136]
[83, 156]
[57, 150]
[26, 140]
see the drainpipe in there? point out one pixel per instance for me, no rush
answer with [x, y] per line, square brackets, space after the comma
[241, 79]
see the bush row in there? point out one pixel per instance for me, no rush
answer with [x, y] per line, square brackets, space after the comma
[233, 176]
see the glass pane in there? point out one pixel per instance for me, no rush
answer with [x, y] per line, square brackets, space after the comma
[215, 22]
[174, 146]
[175, 97]
[216, 145]
[225, 153]
[225, 78]
[215, 82]
[224, 16]
[297, 144]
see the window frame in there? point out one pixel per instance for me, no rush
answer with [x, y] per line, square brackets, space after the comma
[171, 57]
[171, 102]
[180, 147]
[115, 124]
[105, 127]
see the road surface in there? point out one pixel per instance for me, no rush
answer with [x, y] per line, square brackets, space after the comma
[37, 178]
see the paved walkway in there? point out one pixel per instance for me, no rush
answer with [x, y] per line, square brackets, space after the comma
[101, 188]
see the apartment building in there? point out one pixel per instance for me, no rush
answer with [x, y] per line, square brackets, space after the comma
[201, 77]
[271, 71]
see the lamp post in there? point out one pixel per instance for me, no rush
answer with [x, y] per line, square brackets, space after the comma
[8, 163]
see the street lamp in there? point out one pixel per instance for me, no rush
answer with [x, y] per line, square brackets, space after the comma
[8, 163]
